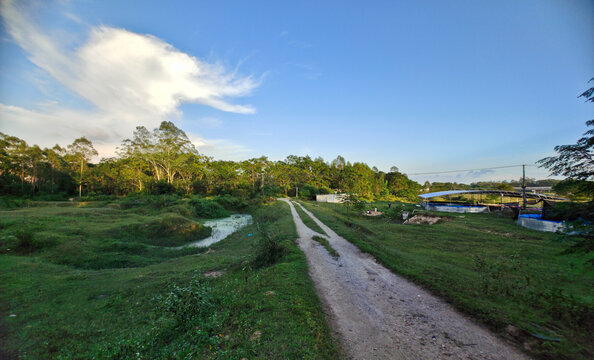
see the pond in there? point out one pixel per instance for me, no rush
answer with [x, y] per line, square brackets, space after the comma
[221, 228]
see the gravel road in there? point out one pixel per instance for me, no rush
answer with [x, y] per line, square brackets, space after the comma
[376, 314]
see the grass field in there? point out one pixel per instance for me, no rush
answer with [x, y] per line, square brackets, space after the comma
[515, 280]
[84, 281]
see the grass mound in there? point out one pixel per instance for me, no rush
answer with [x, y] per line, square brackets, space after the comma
[169, 229]
[99, 235]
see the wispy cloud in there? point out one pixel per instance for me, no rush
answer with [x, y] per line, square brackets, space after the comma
[131, 79]
[220, 149]
[210, 122]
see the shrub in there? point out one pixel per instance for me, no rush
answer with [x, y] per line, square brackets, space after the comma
[570, 211]
[230, 202]
[269, 248]
[26, 241]
[162, 201]
[270, 190]
[189, 304]
[207, 209]
[308, 192]
[160, 187]
[324, 191]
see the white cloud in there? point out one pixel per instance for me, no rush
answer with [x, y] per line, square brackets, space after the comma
[220, 149]
[131, 79]
[210, 122]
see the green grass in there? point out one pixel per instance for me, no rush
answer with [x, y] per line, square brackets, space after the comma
[324, 242]
[486, 266]
[308, 221]
[164, 307]
[100, 235]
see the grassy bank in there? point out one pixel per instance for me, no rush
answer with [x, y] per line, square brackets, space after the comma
[515, 280]
[162, 303]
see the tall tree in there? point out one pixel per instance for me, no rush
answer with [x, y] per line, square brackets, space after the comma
[80, 153]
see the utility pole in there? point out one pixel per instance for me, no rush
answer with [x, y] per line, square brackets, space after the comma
[524, 187]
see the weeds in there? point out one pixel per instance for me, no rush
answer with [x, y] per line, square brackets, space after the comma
[324, 242]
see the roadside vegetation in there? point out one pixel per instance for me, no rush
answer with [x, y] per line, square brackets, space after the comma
[324, 242]
[521, 283]
[308, 221]
[94, 280]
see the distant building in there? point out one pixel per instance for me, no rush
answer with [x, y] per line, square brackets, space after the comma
[331, 198]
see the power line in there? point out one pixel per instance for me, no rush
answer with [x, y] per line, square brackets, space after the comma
[456, 171]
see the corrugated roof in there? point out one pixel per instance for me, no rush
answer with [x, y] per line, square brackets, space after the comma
[493, 192]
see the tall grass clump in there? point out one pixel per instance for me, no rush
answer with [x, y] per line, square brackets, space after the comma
[269, 247]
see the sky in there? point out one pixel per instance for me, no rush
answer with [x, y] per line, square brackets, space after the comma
[426, 86]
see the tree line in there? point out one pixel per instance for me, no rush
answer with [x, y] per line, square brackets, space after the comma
[164, 160]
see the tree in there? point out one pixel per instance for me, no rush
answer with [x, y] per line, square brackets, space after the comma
[80, 153]
[575, 161]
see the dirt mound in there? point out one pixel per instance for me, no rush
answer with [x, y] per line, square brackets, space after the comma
[372, 213]
[427, 219]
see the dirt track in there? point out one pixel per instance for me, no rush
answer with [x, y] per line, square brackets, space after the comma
[376, 314]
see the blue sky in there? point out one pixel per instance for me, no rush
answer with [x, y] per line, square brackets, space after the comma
[424, 85]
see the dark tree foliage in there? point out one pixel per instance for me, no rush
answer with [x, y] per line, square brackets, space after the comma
[575, 161]
[164, 161]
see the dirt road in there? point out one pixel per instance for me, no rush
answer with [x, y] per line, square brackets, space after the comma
[376, 314]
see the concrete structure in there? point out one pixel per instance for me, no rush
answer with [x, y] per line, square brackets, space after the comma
[331, 198]
[535, 222]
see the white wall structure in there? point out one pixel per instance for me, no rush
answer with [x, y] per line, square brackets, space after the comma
[331, 198]
[535, 223]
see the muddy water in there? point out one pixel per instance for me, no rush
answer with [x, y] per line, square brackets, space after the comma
[221, 228]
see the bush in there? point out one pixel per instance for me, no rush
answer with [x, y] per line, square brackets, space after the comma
[189, 304]
[160, 187]
[162, 201]
[27, 242]
[53, 197]
[324, 191]
[308, 192]
[207, 209]
[230, 202]
[270, 190]
[570, 211]
[269, 248]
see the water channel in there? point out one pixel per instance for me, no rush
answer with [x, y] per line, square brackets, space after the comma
[221, 228]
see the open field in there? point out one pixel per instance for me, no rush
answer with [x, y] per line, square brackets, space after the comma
[141, 301]
[516, 281]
